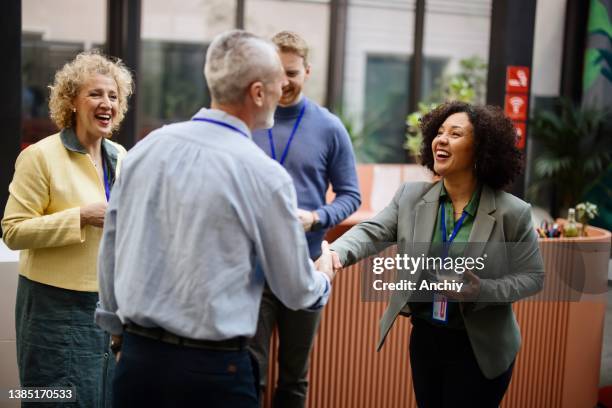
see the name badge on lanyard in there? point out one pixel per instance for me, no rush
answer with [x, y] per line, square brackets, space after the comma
[440, 302]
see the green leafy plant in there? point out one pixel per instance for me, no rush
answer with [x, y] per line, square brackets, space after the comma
[468, 84]
[576, 150]
[586, 212]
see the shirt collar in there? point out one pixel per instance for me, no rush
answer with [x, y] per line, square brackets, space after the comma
[71, 142]
[471, 206]
[222, 116]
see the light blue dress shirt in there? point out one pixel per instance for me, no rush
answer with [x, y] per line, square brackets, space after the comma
[195, 207]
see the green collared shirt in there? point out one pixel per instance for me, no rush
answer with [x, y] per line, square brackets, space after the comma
[423, 310]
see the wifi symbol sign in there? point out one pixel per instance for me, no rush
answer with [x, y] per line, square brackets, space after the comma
[516, 106]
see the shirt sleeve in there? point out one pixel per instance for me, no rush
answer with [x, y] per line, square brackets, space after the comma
[282, 250]
[106, 311]
[342, 174]
[25, 224]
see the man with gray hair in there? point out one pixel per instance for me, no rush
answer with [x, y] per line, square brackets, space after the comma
[196, 206]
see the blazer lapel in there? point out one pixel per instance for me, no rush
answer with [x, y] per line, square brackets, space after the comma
[424, 220]
[483, 223]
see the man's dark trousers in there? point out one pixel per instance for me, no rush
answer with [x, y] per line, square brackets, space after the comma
[296, 332]
[151, 373]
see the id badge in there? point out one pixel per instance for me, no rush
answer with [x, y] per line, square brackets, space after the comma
[440, 305]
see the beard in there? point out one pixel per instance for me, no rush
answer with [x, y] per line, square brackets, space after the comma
[290, 95]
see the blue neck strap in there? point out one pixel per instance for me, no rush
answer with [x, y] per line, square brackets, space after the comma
[458, 225]
[223, 124]
[295, 128]
[107, 186]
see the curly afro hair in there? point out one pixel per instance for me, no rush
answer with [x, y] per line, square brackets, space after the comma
[498, 160]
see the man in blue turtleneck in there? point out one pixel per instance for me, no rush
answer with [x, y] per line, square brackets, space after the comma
[315, 149]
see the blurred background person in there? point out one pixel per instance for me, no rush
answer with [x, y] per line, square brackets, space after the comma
[462, 351]
[314, 147]
[54, 216]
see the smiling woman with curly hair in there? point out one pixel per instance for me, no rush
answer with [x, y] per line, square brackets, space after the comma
[497, 160]
[54, 216]
[463, 342]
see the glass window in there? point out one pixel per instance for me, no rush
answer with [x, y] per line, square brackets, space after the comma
[459, 33]
[174, 41]
[53, 33]
[387, 103]
[379, 46]
[379, 41]
[308, 18]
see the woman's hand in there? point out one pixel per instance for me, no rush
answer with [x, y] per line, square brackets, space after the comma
[469, 291]
[93, 214]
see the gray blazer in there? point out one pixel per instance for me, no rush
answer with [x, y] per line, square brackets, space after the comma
[501, 217]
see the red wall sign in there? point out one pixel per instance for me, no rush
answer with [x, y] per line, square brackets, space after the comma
[520, 133]
[517, 79]
[515, 106]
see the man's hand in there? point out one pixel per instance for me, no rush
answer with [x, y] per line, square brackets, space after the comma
[115, 345]
[336, 261]
[306, 218]
[469, 291]
[326, 263]
[93, 214]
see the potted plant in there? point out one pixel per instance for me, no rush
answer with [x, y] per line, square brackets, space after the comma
[575, 150]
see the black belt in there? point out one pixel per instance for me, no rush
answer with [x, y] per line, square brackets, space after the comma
[157, 333]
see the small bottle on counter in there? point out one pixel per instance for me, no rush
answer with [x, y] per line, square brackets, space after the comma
[570, 229]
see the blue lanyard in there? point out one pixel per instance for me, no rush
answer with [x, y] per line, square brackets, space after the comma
[223, 124]
[457, 225]
[107, 185]
[295, 128]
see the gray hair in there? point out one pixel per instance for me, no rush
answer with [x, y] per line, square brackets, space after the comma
[236, 59]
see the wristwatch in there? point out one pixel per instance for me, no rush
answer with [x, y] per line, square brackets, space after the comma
[316, 223]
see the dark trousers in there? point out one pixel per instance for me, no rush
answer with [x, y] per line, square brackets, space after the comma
[151, 373]
[445, 372]
[296, 333]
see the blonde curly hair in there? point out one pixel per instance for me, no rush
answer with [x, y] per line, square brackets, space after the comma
[69, 79]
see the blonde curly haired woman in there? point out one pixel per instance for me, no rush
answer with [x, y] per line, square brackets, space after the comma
[54, 216]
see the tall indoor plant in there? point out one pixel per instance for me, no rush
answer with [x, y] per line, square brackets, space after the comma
[575, 150]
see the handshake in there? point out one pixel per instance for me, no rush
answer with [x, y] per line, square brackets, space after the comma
[329, 261]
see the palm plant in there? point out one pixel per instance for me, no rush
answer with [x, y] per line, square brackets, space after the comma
[575, 150]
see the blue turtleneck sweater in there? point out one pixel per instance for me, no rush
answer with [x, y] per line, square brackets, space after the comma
[320, 153]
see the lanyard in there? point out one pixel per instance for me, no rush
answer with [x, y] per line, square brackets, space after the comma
[457, 225]
[107, 185]
[295, 128]
[223, 124]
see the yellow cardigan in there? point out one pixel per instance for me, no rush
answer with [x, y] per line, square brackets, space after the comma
[53, 179]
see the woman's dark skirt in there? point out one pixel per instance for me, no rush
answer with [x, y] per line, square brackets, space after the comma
[58, 344]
